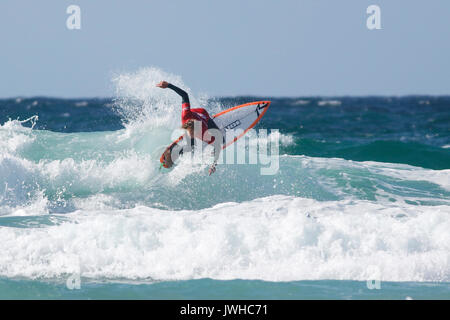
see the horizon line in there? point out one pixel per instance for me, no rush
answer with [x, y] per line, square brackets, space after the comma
[242, 96]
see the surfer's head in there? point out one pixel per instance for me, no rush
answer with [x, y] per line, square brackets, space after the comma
[189, 127]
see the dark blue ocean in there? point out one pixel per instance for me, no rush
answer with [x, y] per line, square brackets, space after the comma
[362, 196]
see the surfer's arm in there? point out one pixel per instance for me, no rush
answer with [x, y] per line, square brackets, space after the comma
[175, 143]
[212, 168]
[216, 153]
[183, 94]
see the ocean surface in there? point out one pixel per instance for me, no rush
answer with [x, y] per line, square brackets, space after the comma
[359, 208]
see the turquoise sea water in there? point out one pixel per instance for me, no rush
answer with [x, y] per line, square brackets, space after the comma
[362, 192]
[208, 289]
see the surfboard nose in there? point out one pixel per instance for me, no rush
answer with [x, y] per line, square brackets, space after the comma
[265, 103]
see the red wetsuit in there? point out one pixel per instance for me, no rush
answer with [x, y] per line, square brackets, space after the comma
[198, 114]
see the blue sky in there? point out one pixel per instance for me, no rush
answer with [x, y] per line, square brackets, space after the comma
[233, 47]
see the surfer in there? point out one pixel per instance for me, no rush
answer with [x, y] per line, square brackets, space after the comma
[192, 119]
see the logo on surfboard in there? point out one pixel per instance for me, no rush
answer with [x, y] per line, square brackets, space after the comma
[232, 125]
[260, 107]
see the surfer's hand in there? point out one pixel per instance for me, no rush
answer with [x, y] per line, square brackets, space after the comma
[162, 84]
[168, 158]
[212, 169]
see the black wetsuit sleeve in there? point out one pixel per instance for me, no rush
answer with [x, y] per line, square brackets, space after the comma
[181, 92]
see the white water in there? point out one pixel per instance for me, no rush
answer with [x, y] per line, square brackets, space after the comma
[279, 238]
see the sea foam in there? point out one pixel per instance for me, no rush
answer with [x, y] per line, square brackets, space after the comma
[278, 238]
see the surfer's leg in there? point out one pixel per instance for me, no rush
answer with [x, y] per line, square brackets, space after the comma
[213, 125]
[218, 140]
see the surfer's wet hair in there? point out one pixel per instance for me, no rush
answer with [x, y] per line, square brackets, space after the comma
[188, 124]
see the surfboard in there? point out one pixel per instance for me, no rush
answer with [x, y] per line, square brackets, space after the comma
[234, 123]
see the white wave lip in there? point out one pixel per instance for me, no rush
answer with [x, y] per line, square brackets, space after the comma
[283, 139]
[140, 101]
[334, 103]
[278, 238]
[14, 136]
